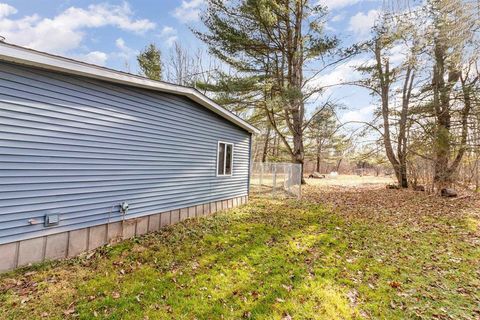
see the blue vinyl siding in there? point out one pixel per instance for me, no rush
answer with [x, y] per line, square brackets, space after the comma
[78, 147]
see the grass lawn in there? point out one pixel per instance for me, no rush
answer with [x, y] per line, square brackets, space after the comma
[339, 254]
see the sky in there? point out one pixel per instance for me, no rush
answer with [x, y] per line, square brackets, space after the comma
[111, 33]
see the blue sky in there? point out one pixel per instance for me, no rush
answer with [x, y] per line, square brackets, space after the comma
[111, 33]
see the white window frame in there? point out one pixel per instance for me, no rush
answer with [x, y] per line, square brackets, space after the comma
[224, 162]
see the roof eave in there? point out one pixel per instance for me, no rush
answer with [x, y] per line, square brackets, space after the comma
[20, 55]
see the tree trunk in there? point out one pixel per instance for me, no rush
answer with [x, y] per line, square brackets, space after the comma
[337, 167]
[442, 176]
[319, 152]
[298, 153]
[275, 144]
[294, 112]
[441, 100]
[477, 176]
[384, 77]
[265, 146]
[403, 179]
[467, 107]
[402, 132]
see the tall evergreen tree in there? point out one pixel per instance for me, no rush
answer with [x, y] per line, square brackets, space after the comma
[272, 43]
[150, 62]
[454, 30]
[322, 134]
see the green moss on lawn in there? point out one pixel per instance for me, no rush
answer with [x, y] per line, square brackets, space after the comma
[267, 260]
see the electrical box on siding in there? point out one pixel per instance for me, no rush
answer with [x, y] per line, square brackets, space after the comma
[52, 220]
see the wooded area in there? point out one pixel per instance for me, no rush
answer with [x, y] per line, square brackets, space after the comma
[265, 57]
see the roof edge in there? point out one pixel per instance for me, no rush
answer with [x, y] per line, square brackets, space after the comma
[25, 56]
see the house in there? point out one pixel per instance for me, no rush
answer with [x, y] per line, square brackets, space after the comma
[89, 155]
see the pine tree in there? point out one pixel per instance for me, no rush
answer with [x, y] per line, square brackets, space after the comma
[271, 43]
[150, 62]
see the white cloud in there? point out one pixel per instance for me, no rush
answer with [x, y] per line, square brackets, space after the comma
[344, 72]
[329, 28]
[167, 31]
[339, 4]
[120, 44]
[359, 115]
[188, 11]
[6, 10]
[125, 52]
[362, 23]
[398, 53]
[338, 17]
[66, 31]
[171, 40]
[94, 57]
[169, 35]
[338, 83]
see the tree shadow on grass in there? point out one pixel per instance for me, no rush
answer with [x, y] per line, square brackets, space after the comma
[257, 265]
[265, 261]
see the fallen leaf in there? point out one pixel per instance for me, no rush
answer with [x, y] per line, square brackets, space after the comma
[288, 288]
[69, 311]
[286, 316]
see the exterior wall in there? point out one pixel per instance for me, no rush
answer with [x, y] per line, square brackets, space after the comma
[78, 147]
[72, 243]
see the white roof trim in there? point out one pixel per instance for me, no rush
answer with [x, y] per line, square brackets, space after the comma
[29, 57]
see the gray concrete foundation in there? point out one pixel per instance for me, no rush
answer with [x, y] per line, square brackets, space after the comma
[72, 243]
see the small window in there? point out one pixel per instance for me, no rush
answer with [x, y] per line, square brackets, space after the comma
[224, 159]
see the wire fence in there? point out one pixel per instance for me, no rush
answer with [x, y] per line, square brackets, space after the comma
[278, 180]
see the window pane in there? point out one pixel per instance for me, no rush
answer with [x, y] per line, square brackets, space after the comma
[221, 158]
[228, 159]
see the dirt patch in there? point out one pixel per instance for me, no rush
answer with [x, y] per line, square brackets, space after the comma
[350, 181]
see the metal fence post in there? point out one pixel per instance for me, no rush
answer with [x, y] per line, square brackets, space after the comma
[267, 175]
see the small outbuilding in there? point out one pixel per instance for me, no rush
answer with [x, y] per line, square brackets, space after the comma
[89, 155]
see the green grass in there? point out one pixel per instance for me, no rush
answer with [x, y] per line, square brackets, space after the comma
[267, 260]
